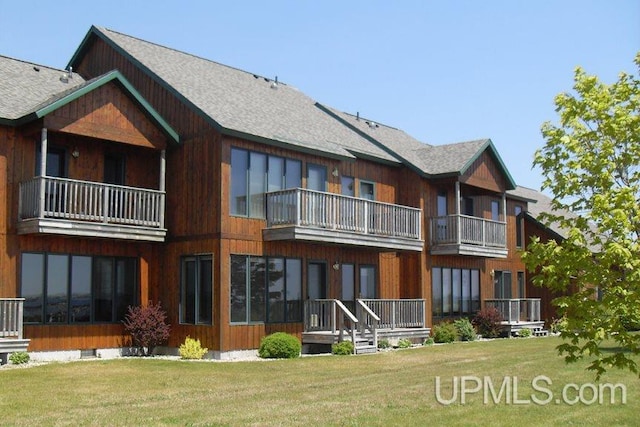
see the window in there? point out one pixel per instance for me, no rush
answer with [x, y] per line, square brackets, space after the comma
[347, 187]
[316, 177]
[114, 169]
[253, 174]
[521, 285]
[367, 190]
[265, 289]
[63, 288]
[467, 206]
[455, 291]
[367, 281]
[495, 210]
[518, 214]
[196, 290]
[56, 162]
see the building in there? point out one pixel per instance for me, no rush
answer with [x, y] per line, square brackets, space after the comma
[241, 204]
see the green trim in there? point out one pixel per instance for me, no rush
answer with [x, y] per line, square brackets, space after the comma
[511, 184]
[553, 233]
[101, 81]
[86, 44]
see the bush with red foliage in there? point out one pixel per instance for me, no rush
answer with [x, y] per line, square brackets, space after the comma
[487, 322]
[147, 327]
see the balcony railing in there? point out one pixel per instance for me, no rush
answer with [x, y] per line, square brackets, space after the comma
[398, 313]
[307, 208]
[516, 310]
[73, 200]
[468, 235]
[11, 317]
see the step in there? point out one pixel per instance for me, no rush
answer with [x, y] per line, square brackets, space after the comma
[541, 333]
[366, 349]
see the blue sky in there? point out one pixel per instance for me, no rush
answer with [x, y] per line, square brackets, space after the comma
[443, 71]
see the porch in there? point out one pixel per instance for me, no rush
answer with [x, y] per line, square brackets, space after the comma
[301, 214]
[11, 324]
[328, 321]
[519, 313]
[92, 209]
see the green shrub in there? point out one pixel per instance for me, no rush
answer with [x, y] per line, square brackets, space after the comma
[465, 329]
[280, 345]
[383, 343]
[487, 322]
[558, 325]
[525, 333]
[444, 333]
[428, 341]
[343, 348]
[404, 343]
[19, 357]
[192, 349]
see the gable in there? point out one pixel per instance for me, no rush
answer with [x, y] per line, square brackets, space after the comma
[109, 113]
[485, 172]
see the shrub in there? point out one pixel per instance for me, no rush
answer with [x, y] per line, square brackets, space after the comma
[343, 348]
[444, 333]
[465, 329]
[558, 325]
[428, 341]
[192, 349]
[147, 327]
[487, 322]
[525, 333]
[279, 345]
[404, 343]
[19, 357]
[383, 343]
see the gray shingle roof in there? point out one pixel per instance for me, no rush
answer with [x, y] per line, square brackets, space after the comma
[245, 103]
[449, 158]
[26, 87]
[538, 204]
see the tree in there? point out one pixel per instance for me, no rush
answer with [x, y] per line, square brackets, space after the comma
[590, 162]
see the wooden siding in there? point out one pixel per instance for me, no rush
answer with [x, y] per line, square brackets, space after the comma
[107, 113]
[485, 173]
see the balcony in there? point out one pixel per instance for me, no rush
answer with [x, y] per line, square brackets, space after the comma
[11, 328]
[468, 235]
[306, 215]
[70, 207]
[519, 313]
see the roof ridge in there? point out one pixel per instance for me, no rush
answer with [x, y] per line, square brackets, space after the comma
[103, 29]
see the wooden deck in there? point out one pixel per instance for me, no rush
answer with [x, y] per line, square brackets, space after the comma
[329, 321]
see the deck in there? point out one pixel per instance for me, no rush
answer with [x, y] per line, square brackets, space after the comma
[518, 314]
[329, 321]
[11, 339]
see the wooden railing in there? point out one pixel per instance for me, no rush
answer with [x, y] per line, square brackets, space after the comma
[11, 317]
[516, 310]
[367, 321]
[309, 208]
[397, 313]
[329, 315]
[49, 197]
[463, 229]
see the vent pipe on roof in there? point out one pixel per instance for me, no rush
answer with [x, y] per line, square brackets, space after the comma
[358, 115]
[274, 84]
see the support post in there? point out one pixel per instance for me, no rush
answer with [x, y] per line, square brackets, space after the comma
[162, 186]
[458, 219]
[43, 172]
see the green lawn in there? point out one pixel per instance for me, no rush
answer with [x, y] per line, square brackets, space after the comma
[391, 388]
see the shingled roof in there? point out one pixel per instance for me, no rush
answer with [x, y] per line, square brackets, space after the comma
[240, 103]
[25, 87]
[539, 203]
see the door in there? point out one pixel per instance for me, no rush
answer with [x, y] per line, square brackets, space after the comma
[114, 173]
[348, 276]
[441, 224]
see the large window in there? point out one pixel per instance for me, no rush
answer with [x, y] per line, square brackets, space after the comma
[455, 291]
[63, 288]
[253, 174]
[265, 289]
[196, 290]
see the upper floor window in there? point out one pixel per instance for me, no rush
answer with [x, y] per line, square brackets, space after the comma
[56, 162]
[518, 212]
[316, 177]
[495, 210]
[367, 190]
[253, 174]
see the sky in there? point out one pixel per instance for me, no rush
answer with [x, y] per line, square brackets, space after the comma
[442, 71]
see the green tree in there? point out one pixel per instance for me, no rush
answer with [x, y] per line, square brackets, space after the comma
[590, 162]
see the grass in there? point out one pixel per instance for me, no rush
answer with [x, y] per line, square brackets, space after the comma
[389, 388]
